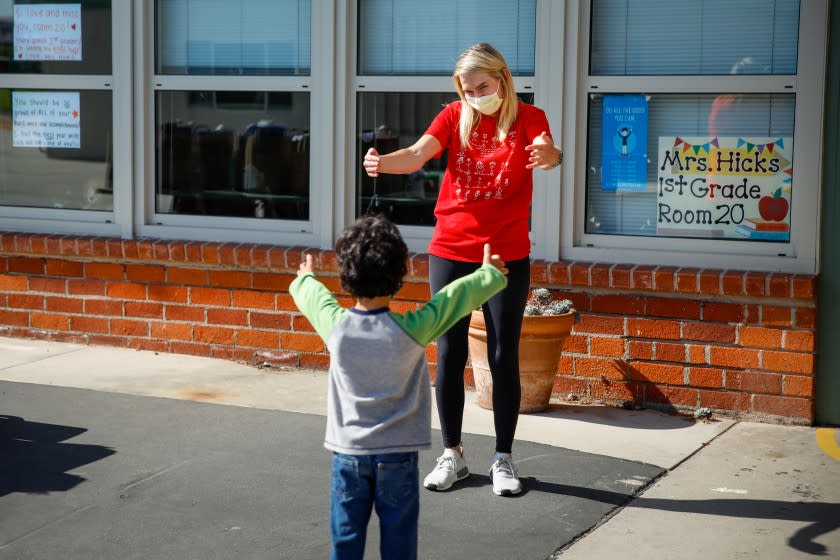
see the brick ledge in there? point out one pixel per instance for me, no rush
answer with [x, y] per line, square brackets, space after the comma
[683, 281]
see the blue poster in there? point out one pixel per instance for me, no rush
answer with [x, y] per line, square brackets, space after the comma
[624, 149]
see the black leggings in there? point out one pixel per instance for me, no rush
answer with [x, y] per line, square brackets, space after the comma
[503, 316]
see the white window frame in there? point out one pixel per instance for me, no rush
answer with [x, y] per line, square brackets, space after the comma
[317, 230]
[799, 256]
[88, 222]
[546, 85]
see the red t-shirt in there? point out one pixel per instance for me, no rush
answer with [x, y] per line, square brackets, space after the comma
[485, 195]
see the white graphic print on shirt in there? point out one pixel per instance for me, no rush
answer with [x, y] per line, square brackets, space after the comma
[488, 176]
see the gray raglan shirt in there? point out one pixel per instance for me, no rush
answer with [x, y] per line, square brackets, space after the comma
[378, 397]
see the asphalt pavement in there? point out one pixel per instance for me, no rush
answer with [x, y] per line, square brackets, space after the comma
[116, 453]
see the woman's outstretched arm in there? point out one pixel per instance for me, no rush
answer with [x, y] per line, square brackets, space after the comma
[405, 160]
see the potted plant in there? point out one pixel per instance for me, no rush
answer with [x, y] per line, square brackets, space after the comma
[545, 326]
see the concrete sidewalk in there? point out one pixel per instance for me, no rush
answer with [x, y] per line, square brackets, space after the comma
[722, 489]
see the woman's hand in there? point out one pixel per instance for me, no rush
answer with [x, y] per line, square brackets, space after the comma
[543, 153]
[495, 260]
[371, 163]
[306, 266]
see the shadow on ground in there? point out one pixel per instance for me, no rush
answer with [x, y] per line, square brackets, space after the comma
[35, 458]
[822, 517]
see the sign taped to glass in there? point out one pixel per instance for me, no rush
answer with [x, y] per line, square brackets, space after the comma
[48, 32]
[725, 187]
[625, 129]
[46, 119]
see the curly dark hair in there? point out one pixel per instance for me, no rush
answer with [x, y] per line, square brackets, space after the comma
[371, 257]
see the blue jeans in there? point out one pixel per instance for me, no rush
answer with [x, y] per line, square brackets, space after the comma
[388, 482]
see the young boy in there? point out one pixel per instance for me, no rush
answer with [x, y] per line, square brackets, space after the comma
[378, 404]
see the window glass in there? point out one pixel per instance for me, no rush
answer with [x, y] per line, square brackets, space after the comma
[55, 37]
[233, 153]
[688, 165]
[703, 37]
[406, 37]
[55, 149]
[233, 37]
[390, 121]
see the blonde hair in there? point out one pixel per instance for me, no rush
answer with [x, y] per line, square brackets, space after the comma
[484, 58]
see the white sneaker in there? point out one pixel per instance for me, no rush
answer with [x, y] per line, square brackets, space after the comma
[504, 475]
[451, 467]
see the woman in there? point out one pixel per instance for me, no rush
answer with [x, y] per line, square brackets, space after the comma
[494, 142]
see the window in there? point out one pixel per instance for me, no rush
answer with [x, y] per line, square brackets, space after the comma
[708, 156]
[406, 53]
[56, 107]
[716, 166]
[57, 151]
[704, 37]
[406, 37]
[232, 109]
[244, 37]
[225, 153]
[389, 121]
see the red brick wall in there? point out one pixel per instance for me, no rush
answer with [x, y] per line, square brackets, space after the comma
[735, 341]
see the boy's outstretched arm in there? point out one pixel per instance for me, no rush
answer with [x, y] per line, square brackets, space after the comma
[314, 300]
[455, 300]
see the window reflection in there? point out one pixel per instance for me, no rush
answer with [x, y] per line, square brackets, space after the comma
[390, 121]
[237, 153]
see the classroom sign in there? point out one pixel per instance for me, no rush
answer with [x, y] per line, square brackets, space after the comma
[48, 32]
[729, 187]
[46, 119]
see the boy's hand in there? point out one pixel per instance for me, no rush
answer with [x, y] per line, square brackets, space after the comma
[305, 266]
[495, 260]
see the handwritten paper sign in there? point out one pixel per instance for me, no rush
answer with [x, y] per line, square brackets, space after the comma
[730, 187]
[45, 119]
[48, 32]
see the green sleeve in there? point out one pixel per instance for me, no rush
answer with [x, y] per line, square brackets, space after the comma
[317, 304]
[453, 302]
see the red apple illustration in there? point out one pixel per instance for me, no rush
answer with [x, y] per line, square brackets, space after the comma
[773, 208]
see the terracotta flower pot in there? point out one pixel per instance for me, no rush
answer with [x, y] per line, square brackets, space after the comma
[540, 348]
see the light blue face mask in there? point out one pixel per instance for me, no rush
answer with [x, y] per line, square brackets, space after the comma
[486, 104]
